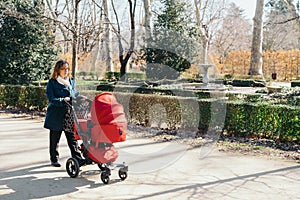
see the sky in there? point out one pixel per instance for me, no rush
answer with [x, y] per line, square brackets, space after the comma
[247, 5]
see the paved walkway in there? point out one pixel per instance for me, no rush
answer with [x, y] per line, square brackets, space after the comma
[156, 171]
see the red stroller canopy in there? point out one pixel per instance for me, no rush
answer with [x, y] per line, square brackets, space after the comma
[106, 110]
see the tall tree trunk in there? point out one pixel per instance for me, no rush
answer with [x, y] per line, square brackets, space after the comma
[124, 59]
[108, 51]
[148, 18]
[75, 39]
[257, 37]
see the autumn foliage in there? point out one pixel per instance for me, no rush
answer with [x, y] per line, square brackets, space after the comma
[285, 63]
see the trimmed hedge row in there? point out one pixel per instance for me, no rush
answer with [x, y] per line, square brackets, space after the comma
[129, 75]
[262, 120]
[239, 119]
[25, 97]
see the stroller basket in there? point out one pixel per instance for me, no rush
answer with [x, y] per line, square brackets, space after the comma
[81, 110]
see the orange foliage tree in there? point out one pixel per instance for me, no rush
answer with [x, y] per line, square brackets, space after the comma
[286, 64]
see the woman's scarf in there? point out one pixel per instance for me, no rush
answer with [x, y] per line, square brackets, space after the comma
[63, 81]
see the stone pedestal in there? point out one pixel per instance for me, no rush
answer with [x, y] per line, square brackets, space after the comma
[205, 67]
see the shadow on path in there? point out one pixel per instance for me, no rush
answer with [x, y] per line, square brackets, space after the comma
[221, 181]
[24, 183]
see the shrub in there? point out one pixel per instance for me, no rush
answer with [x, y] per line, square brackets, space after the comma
[237, 118]
[25, 97]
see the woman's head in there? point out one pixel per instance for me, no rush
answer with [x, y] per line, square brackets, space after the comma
[61, 69]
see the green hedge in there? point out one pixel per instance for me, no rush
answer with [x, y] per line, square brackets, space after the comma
[246, 83]
[239, 119]
[278, 122]
[295, 83]
[129, 75]
[25, 97]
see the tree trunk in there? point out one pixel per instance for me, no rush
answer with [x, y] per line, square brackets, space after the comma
[75, 39]
[108, 51]
[148, 18]
[257, 37]
[124, 60]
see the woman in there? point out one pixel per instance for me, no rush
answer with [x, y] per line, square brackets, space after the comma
[61, 89]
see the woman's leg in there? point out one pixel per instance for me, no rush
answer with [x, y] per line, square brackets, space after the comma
[53, 147]
[73, 145]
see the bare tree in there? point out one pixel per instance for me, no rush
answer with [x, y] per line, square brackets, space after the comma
[208, 15]
[234, 34]
[282, 30]
[280, 33]
[257, 37]
[124, 55]
[78, 23]
[292, 8]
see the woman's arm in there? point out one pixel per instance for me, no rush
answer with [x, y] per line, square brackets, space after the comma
[76, 93]
[57, 101]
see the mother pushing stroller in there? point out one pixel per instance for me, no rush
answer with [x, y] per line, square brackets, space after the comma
[61, 89]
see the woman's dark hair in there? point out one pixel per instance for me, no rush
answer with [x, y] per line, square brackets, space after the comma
[58, 66]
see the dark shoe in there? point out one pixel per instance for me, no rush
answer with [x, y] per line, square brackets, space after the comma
[55, 164]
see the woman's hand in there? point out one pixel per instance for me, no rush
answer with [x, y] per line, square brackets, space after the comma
[67, 99]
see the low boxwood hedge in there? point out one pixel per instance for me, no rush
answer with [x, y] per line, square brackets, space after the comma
[25, 97]
[235, 118]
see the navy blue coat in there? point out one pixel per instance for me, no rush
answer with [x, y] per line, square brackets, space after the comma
[56, 93]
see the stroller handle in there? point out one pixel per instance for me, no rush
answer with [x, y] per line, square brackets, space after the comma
[78, 99]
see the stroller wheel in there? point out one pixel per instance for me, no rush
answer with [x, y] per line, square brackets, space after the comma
[122, 174]
[101, 167]
[104, 177]
[72, 167]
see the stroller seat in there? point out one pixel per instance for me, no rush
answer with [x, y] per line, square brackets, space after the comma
[108, 133]
[83, 123]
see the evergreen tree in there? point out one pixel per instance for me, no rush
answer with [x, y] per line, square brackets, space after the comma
[173, 43]
[27, 52]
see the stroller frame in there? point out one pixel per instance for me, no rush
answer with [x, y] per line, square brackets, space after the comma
[73, 165]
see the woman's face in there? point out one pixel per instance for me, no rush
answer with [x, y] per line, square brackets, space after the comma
[64, 70]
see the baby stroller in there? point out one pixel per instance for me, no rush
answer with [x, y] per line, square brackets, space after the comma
[99, 124]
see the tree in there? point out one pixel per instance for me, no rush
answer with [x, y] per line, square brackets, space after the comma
[79, 23]
[282, 27]
[124, 55]
[74, 30]
[257, 38]
[173, 41]
[234, 34]
[209, 15]
[294, 12]
[148, 18]
[26, 49]
[107, 37]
